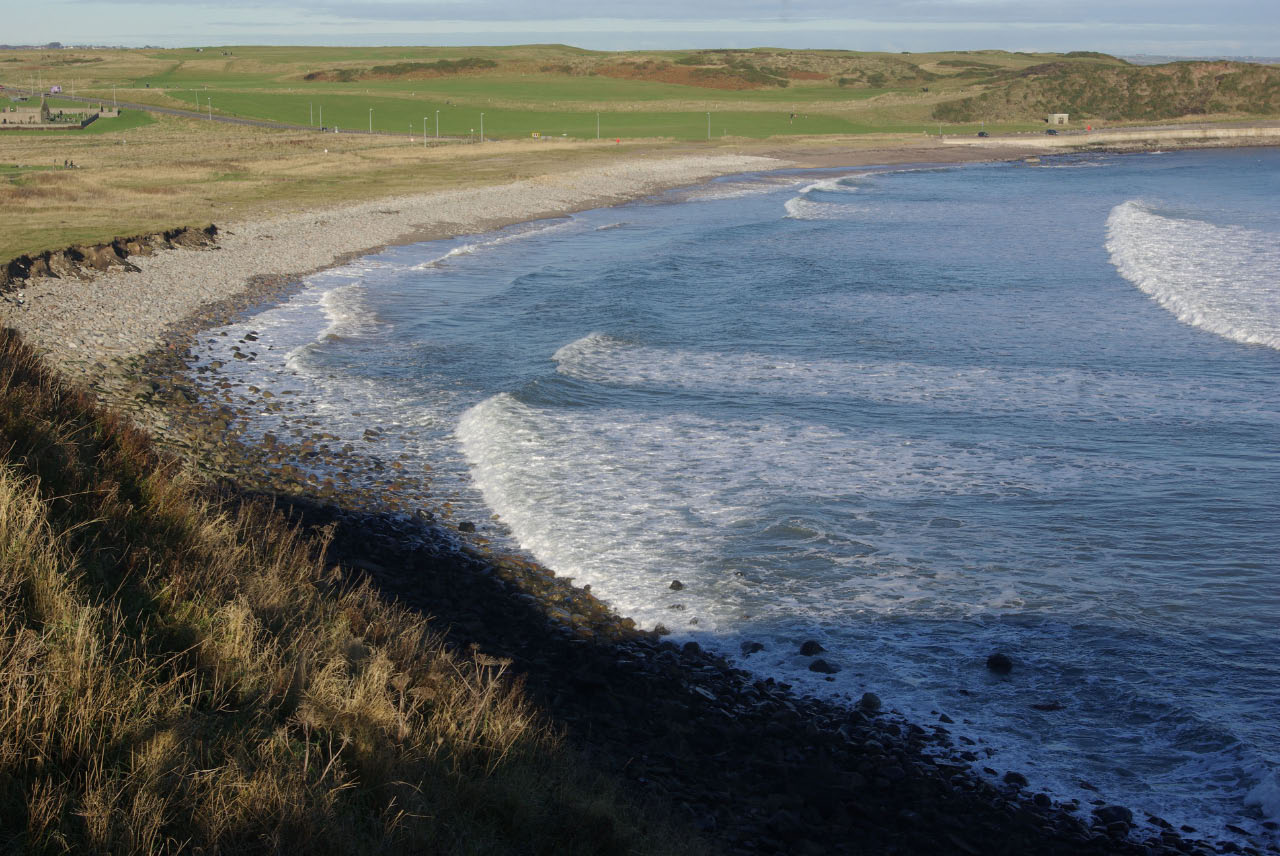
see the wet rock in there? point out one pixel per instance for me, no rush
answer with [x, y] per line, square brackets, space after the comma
[676, 585]
[870, 702]
[466, 526]
[810, 648]
[691, 649]
[749, 648]
[823, 667]
[1108, 814]
[1016, 779]
[1001, 664]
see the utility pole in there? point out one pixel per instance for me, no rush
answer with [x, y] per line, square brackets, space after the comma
[370, 120]
[321, 115]
[311, 115]
[708, 126]
[597, 126]
[424, 132]
[482, 127]
[437, 124]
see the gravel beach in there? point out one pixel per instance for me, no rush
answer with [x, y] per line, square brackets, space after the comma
[86, 327]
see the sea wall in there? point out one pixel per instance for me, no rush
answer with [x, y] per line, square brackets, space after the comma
[1136, 137]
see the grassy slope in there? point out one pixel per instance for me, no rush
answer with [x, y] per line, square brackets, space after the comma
[1134, 93]
[182, 171]
[179, 674]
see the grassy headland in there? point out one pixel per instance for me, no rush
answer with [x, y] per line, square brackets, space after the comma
[180, 673]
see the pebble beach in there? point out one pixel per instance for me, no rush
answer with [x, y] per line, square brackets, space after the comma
[87, 327]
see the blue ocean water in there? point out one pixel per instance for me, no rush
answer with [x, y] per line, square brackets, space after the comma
[917, 414]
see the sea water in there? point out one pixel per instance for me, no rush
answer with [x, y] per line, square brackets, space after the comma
[918, 415]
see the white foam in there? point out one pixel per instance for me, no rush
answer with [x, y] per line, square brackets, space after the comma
[540, 229]
[841, 184]
[1265, 796]
[736, 189]
[345, 311]
[1224, 279]
[1066, 393]
[800, 208]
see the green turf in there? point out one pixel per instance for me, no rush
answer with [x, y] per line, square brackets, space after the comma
[351, 112]
[557, 90]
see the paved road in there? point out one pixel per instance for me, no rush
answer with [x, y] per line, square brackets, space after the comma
[216, 117]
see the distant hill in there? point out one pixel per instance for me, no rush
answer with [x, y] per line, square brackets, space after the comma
[1152, 59]
[1119, 93]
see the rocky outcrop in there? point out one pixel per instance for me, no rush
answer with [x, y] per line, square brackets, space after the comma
[82, 262]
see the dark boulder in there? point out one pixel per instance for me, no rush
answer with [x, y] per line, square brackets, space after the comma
[1001, 664]
[810, 648]
[1109, 814]
[1016, 779]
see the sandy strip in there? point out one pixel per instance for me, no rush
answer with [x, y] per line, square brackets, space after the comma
[87, 328]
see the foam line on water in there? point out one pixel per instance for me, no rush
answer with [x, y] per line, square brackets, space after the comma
[1061, 393]
[800, 208]
[1223, 279]
[535, 230]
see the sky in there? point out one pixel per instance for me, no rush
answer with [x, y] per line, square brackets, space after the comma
[1165, 27]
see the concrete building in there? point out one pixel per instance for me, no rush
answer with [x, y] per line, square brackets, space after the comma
[1057, 118]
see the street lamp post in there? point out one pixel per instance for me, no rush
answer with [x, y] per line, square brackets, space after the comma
[482, 127]
[370, 120]
[424, 132]
[437, 124]
[597, 126]
[321, 115]
[311, 114]
[708, 126]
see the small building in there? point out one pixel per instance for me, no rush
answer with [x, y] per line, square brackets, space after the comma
[55, 89]
[1058, 118]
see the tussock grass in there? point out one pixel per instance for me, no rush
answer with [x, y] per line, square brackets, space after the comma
[180, 674]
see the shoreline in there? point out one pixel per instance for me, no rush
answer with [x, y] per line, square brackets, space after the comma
[895, 777]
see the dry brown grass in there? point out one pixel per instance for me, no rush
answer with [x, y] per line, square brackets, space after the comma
[183, 675]
[187, 172]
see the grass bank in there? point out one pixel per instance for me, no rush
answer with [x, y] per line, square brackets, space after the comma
[182, 673]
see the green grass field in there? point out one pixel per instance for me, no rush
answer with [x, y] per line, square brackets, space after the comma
[552, 90]
[557, 90]
[387, 113]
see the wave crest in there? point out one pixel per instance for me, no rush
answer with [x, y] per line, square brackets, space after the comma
[1224, 279]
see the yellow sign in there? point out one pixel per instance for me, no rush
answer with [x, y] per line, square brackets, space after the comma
[536, 135]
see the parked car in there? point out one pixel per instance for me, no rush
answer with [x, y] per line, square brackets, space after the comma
[1053, 132]
[983, 134]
